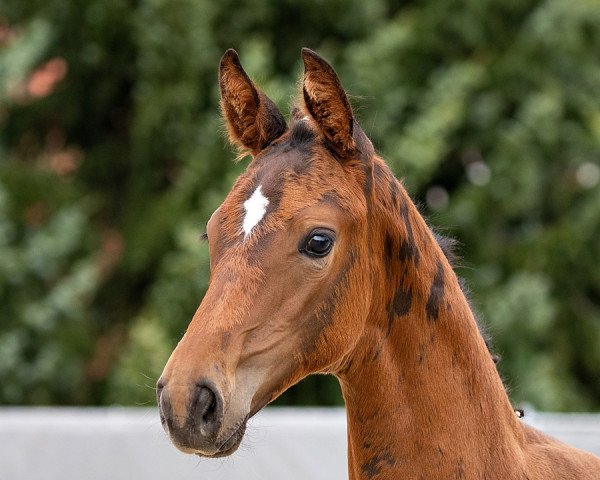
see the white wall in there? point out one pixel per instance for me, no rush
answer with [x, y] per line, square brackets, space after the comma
[129, 444]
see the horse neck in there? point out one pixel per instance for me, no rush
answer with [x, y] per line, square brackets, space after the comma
[421, 388]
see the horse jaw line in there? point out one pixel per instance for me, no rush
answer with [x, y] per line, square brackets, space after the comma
[256, 207]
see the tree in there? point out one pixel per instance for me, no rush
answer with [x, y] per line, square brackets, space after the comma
[113, 159]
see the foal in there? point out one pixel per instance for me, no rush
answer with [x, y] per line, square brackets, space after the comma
[321, 263]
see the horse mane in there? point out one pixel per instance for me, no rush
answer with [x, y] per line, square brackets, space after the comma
[449, 245]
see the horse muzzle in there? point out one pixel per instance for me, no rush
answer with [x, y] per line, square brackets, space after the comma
[193, 418]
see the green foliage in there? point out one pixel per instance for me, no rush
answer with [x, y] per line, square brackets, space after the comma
[113, 158]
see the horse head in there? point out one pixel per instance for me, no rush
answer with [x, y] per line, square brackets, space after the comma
[290, 278]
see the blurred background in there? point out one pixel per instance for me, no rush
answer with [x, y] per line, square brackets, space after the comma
[112, 158]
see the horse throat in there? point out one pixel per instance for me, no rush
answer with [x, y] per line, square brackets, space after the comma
[421, 388]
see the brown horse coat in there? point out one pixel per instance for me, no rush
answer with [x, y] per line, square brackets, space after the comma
[320, 262]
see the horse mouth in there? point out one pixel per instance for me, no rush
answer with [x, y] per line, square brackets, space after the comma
[230, 444]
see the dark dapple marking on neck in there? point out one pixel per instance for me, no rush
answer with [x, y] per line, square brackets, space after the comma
[388, 251]
[400, 306]
[436, 294]
[408, 250]
[402, 300]
[378, 461]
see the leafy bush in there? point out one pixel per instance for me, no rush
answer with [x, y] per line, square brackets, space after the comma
[113, 159]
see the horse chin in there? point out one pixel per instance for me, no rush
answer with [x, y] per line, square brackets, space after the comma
[229, 445]
[232, 441]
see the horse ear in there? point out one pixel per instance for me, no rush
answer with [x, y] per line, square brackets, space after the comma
[327, 103]
[252, 119]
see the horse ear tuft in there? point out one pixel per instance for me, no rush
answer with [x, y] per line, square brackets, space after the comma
[326, 102]
[253, 121]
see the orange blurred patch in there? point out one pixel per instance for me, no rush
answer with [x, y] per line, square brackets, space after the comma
[43, 81]
[65, 162]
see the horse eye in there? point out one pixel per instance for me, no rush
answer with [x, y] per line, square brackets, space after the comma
[317, 245]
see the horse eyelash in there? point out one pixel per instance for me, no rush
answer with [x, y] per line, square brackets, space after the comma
[204, 237]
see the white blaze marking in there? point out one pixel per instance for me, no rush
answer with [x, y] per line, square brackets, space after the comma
[256, 207]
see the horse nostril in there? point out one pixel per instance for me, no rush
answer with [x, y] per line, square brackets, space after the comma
[164, 405]
[207, 409]
[206, 404]
[160, 385]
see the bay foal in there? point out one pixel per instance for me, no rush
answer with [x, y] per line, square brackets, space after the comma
[321, 263]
